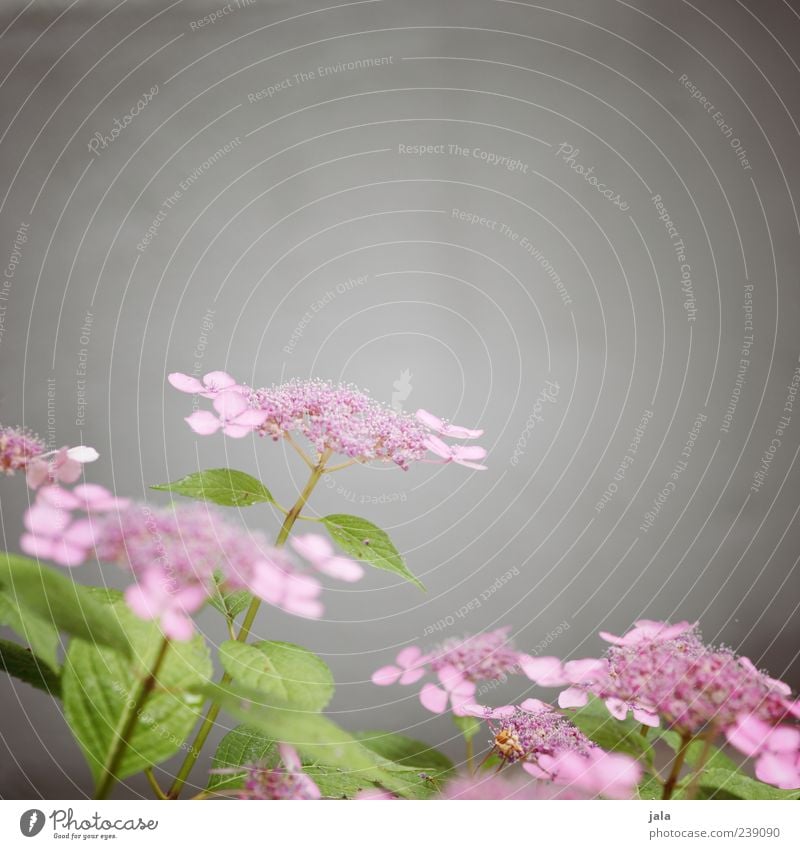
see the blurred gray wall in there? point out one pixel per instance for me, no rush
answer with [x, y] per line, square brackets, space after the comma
[483, 267]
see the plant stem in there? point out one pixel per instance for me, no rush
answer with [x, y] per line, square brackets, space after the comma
[677, 765]
[694, 784]
[244, 632]
[153, 782]
[127, 723]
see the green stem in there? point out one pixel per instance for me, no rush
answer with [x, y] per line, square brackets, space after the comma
[153, 782]
[127, 723]
[244, 632]
[677, 765]
[694, 783]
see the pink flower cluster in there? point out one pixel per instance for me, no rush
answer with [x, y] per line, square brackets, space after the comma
[551, 748]
[24, 451]
[335, 418]
[281, 782]
[179, 556]
[663, 671]
[459, 665]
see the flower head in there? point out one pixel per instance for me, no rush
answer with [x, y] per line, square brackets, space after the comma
[287, 781]
[335, 418]
[212, 384]
[459, 664]
[179, 556]
[665, 671]
[24, 451]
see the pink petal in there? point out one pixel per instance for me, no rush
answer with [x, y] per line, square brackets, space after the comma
[411, 676]
[572, 697]
[312, 547]
[433, 698]
[290, 757]
[66, 554]
[535, 706]
[82, 454]
[409, 656]
[44, 520]
[39, 547]
[438, 447]
[646, 717]
[140, 602]
[185, 383]
[310, 609]
[216, 381]
[545, 671]
[68, 471]
[442, 427]
[252, 418]
[229, 405]
[63, 499]
[450, 677]
[386, 675]
[617, 708]
[587, 669]
[749, 735]
[780, 770]
[477, 466]
[177, 625]
[342, 568]
[236, 431]
[203, 422]
[468, 452]
[38, 471]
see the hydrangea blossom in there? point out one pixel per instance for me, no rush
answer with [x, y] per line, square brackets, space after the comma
[24, 451]
[549, 747]
[179, 556]
[663, 671]
[335, 418]
[776, 749]
[459, 664]
[281, 782]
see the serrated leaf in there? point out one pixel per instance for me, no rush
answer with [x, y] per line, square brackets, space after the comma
[316, 738]
[40, 634]
[469, 726]
[650, 789]
[98, 684]
[229, 603]
[57, 600]
[20, 662]
[732, 784]
[406, 751]
[611, 734]
[290, 673]
[361, 539]
[227, 487]
[240, 746]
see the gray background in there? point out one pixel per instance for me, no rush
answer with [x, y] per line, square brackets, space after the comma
[317, 192]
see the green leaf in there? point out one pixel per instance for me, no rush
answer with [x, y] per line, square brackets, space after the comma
[222, 486]
[40, 634]
[650, 789]
[365, 541]
[240, 746]
[714, 757]
[98, 684]
[611, 734]
[732, 784]
[244, 745]
[469, 726]
[290, 673]
[318, 740]
[57, 600]
[23, 664]
[406, 751]
[229, 603]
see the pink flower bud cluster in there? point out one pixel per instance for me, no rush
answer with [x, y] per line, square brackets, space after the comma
[24, 451]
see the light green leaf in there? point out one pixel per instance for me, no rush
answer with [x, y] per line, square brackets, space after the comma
[222, 486]
[98, 684]
[650, 789]
[469, 726]
[405, 751]
[23, 664]
[365, 541]
[55, 599]
[290, 673]
[240, 746]
[611, 734]
[229, 603]
[727, 784]
[714, 757]
[40, 634]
